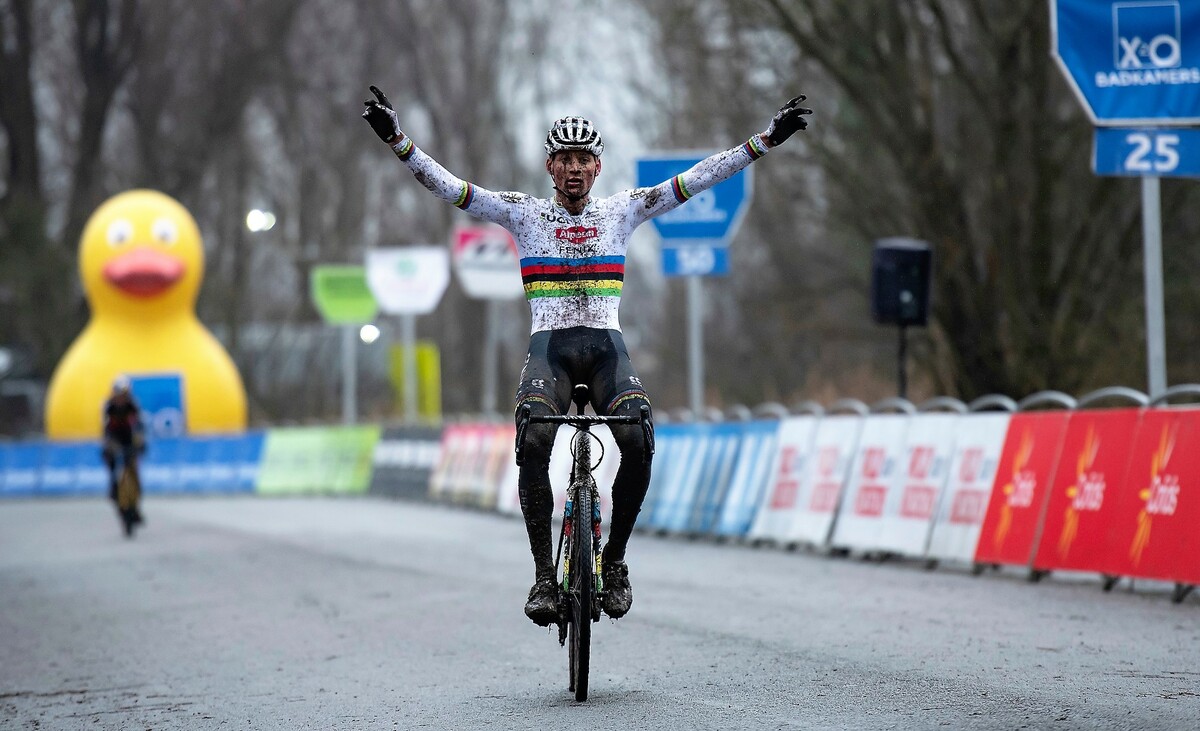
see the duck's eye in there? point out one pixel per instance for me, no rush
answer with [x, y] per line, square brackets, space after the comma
[120, 232]
[165, 231]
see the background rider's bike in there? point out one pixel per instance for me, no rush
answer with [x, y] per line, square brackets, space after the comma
[581, 588]
[129, 491]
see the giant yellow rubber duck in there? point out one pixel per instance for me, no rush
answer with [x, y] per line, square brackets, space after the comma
[141, 261]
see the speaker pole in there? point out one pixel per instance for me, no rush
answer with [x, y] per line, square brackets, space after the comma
[902, 366]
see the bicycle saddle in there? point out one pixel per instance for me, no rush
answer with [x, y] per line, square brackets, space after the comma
[581, 396]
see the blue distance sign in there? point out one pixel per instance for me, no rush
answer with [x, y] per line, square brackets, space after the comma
[1168, 152]
[1131, 63]
[696, 234]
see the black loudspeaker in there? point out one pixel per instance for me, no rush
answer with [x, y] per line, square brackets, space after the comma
[900, 270]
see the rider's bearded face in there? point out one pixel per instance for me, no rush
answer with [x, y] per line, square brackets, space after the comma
[573, 171]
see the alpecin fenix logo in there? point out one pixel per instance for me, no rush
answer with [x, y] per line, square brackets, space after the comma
[1148, 46]
[576, 234]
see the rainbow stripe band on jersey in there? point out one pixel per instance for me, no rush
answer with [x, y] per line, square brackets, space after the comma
[404, 150]
[596, 276]
[679, 189]
[754, 147]
[464, 198]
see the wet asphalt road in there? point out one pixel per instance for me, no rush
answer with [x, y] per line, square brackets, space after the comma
[357, 613]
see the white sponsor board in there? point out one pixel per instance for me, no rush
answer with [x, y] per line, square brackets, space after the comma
[408, 280]
[960, 513]
[924, 466]
[873, 473]
[834, 446]
[749, 479]
[793, 449]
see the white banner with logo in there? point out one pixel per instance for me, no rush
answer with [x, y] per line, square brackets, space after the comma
[873, 475]
[960, 513]
[486, 262]
[408, 280]
[834, 447]
[793, 449]
[923, 468]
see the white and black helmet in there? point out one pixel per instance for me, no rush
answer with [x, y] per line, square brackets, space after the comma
[573, 133]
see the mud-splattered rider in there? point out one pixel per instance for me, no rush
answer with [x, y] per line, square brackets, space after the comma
[572, 248]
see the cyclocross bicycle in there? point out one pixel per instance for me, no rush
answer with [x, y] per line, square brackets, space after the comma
[581, 587]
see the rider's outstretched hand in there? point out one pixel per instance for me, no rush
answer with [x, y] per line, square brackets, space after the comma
[382, 118]
[786, 121]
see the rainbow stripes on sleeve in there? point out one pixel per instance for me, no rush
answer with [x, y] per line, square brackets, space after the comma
[596, 276]
[754, 147]
[464, 197]
[680, 189]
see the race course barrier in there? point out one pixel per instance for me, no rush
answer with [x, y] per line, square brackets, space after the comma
[1113, 491]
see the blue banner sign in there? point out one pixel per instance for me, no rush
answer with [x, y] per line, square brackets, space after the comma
[696, 234]
[1132, 63]
[160, 398]
[1161, 152]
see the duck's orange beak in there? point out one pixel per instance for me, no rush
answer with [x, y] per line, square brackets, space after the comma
[144, 272]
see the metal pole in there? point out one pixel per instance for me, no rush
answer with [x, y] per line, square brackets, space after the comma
[695, 347]
[349, 375]
[491, 360]
[1156, 348]
[903, 365]
[408, 337]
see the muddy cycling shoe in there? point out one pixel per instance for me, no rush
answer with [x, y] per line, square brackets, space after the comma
[542, 606]
[618, 594]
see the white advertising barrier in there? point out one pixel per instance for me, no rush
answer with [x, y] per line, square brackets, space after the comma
[859, 522]
[834, 447]
[793, 449]
[679, 488]
[750, 478]
[497, 450]
[960, 512]
[450, 454]
[924, 466]
[508, 494]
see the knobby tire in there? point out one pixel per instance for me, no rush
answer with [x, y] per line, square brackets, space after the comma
[583, 587]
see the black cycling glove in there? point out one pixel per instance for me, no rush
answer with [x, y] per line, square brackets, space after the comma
[786, 121]
[382, 118]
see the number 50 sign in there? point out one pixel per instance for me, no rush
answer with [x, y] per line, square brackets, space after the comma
[1161, 152]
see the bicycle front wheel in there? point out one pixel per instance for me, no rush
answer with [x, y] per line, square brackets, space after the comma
[582, 582]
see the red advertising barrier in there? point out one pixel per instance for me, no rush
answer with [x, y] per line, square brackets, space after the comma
[1086, 489]
[1018, 498]
[1155, 530]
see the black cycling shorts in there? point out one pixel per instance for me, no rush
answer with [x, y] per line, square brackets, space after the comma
[558, 360]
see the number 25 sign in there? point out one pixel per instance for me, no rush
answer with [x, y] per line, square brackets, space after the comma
[1161, 152]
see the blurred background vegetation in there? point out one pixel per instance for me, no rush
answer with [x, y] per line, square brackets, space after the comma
[944, 120]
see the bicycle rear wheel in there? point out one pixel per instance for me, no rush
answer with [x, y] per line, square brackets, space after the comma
[129, 491]
[582, 582]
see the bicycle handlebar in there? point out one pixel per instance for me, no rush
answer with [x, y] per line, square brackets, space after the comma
[580, 420]
[585, 420]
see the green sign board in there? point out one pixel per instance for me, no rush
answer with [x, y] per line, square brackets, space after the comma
[341, 294]
[317, 460]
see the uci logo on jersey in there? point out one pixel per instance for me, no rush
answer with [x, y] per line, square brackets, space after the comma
[1147, 35]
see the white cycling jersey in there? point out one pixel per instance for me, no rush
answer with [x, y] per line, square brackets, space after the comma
[573, 267]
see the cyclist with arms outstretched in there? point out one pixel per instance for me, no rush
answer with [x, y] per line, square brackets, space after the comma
[124, 441]
[572, 249]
